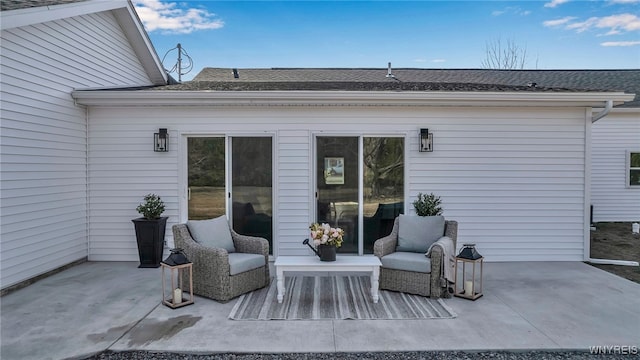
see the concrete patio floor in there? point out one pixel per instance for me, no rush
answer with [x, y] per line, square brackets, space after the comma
[97, 306]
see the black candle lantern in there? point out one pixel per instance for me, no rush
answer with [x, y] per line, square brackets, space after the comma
[180, 271]
[468, 277]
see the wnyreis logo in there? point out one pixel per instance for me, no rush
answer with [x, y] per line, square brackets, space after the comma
[613, 350]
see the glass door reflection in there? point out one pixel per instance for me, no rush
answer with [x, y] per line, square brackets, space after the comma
[338, 179]
[383, 159]
[206, 193]
[252, 187]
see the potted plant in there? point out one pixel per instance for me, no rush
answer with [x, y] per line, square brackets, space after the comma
[150, 231]
[428, 205]
[326, 239]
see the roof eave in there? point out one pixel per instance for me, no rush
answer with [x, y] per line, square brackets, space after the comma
[142, 45]
[124, 13]
[35, 15]
[338, 98]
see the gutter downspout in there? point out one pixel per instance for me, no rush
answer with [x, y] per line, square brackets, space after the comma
[87, 181]
[603, 113]
[594, 118]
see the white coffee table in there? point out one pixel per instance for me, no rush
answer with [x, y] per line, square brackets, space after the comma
[342, 264]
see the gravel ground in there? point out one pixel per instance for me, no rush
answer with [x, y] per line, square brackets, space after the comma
[437, 355]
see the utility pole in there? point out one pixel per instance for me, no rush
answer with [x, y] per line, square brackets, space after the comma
[178, 66]
[179, 63]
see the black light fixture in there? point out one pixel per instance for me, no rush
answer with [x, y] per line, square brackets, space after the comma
[161, 141]
[426, 140]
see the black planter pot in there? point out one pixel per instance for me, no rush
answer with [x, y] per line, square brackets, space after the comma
[150, 237]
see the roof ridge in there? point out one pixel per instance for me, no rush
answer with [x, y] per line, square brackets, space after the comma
[424, 69]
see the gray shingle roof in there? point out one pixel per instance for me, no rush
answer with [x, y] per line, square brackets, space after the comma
[347, 86]
[419, 79]
[6, 5]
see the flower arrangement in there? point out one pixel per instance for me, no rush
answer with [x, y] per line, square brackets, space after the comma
[326, 235]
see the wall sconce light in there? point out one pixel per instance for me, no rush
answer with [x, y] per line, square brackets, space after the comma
[161, 141]
[426, 140]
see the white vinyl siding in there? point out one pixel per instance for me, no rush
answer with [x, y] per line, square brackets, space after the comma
[295, 204]
[612, 138]
[513, 178]
[123, 168]
[515, 184]
[43, 136]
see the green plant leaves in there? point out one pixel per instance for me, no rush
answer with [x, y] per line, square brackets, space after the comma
[428, 205]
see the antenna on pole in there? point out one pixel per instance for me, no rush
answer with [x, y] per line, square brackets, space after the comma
[179, 62]
[178, 67]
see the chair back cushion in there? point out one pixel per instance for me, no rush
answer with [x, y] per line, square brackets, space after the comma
[407, 261]
[417, 233]
[212, 233]
[241, 262]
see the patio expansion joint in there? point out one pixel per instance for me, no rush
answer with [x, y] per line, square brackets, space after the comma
[527, 320]
[333, 328]
[132, 327]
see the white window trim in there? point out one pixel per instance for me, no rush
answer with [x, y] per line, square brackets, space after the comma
[628, 169]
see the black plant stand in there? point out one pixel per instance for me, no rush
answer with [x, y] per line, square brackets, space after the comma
[150, 237]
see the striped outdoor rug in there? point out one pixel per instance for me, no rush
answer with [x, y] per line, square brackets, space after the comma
[334, 297]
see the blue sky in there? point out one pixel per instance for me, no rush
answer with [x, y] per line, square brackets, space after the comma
[556, 34]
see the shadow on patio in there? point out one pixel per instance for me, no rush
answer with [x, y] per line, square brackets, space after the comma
[97, 306]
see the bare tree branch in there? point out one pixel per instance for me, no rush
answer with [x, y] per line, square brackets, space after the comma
[508, 55]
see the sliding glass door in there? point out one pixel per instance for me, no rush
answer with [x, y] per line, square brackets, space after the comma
[250, 180]
[252, 187]
[338, 179]
[383, 159]
[360, 187]
[206, 193]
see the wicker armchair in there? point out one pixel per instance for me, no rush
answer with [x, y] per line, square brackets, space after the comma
[211, 269]
[430, 284]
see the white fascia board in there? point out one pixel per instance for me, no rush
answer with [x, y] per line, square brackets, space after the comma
[36, 15]
[141, 44]
[342, 98]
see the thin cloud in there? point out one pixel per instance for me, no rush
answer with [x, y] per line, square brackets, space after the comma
[558, 22]
[555, 3]
[614, 24]
[583, 26]
[620, 43]
[169, 18]
[511, 10]
[422, 60]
